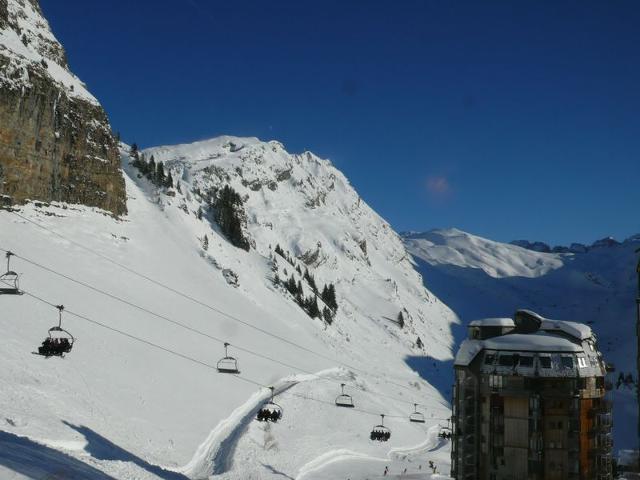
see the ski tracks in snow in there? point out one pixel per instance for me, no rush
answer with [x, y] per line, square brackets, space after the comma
[348, 457]
[215, 455]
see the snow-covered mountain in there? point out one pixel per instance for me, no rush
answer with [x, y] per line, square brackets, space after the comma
[480, 278]
[140, 390]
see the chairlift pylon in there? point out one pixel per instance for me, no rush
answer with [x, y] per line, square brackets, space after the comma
[9, 281]
[416, 416]
[59, 341]
[344, 400]
[227, 364]
[270, 410]
[380, 433]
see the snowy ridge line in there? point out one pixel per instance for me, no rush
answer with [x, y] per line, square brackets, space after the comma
[200, 362]
[204, 334]
[203, 304]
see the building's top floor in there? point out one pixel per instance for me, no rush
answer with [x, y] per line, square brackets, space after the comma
[529, 344]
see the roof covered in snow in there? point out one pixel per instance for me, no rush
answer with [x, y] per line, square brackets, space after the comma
[493, 322]
[553, 336]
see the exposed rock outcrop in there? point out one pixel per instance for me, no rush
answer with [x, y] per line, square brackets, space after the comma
[56, 143]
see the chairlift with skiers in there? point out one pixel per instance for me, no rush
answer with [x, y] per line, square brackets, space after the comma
[59, 341]
[380, 433]
[270, 410]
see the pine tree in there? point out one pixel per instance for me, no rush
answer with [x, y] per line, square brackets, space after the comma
[419, 343]
[151, 168]
[401, 319]
[168, 183]
[205, 242]
[276, 279]
[199, 214]
[159, 174]
[310, 280]
[312, 307]
[328, 296]
[327, 315]
[228, 214]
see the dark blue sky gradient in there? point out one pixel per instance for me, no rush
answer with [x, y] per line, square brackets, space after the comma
[508, 119]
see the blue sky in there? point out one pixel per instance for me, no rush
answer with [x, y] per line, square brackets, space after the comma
[506, 119]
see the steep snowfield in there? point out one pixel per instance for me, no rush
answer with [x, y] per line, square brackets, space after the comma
[480, 278]
[133, 410]
[28, 40]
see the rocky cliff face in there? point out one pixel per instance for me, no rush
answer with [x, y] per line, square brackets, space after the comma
[55, 140]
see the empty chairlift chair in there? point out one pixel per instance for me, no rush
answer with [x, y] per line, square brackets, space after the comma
[227, 364]
[270, 411]
[9, 280]
[59, 341]
[416, 416]
[380, 433]
[344, 400]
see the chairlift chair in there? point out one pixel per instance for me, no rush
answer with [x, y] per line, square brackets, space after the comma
[227, 364]
[58, 342]
[270, 410]
[380, 433]
[344, 400]
[9, 280]
[416, 416]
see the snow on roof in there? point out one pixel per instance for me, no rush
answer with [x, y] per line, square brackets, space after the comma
[537, 342]
[517, 342]
[546, 339]
[493, 322]
[577, 330]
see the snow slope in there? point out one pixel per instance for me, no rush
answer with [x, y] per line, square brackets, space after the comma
[481, 278]
[28, 40]
[139, 397]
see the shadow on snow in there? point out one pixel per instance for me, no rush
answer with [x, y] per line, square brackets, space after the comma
[103, 449]
[33, 460]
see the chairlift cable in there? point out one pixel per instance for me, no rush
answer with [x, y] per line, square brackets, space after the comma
[191, 359]
[194, 330]
[201, 303]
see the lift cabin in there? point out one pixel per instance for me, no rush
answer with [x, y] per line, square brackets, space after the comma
[9, 281]
[344, 400]
[59, 340]
[270, 411]
[227, 364]
[416, 416]
[380, 433]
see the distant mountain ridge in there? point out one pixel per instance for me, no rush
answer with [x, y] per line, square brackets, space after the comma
[543, 247]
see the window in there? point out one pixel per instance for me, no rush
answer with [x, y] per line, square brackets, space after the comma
[545, 362]
[526, 361]
[566, 362]
[582, 362]
[489, 358]
[495, 381]
[505, 361]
